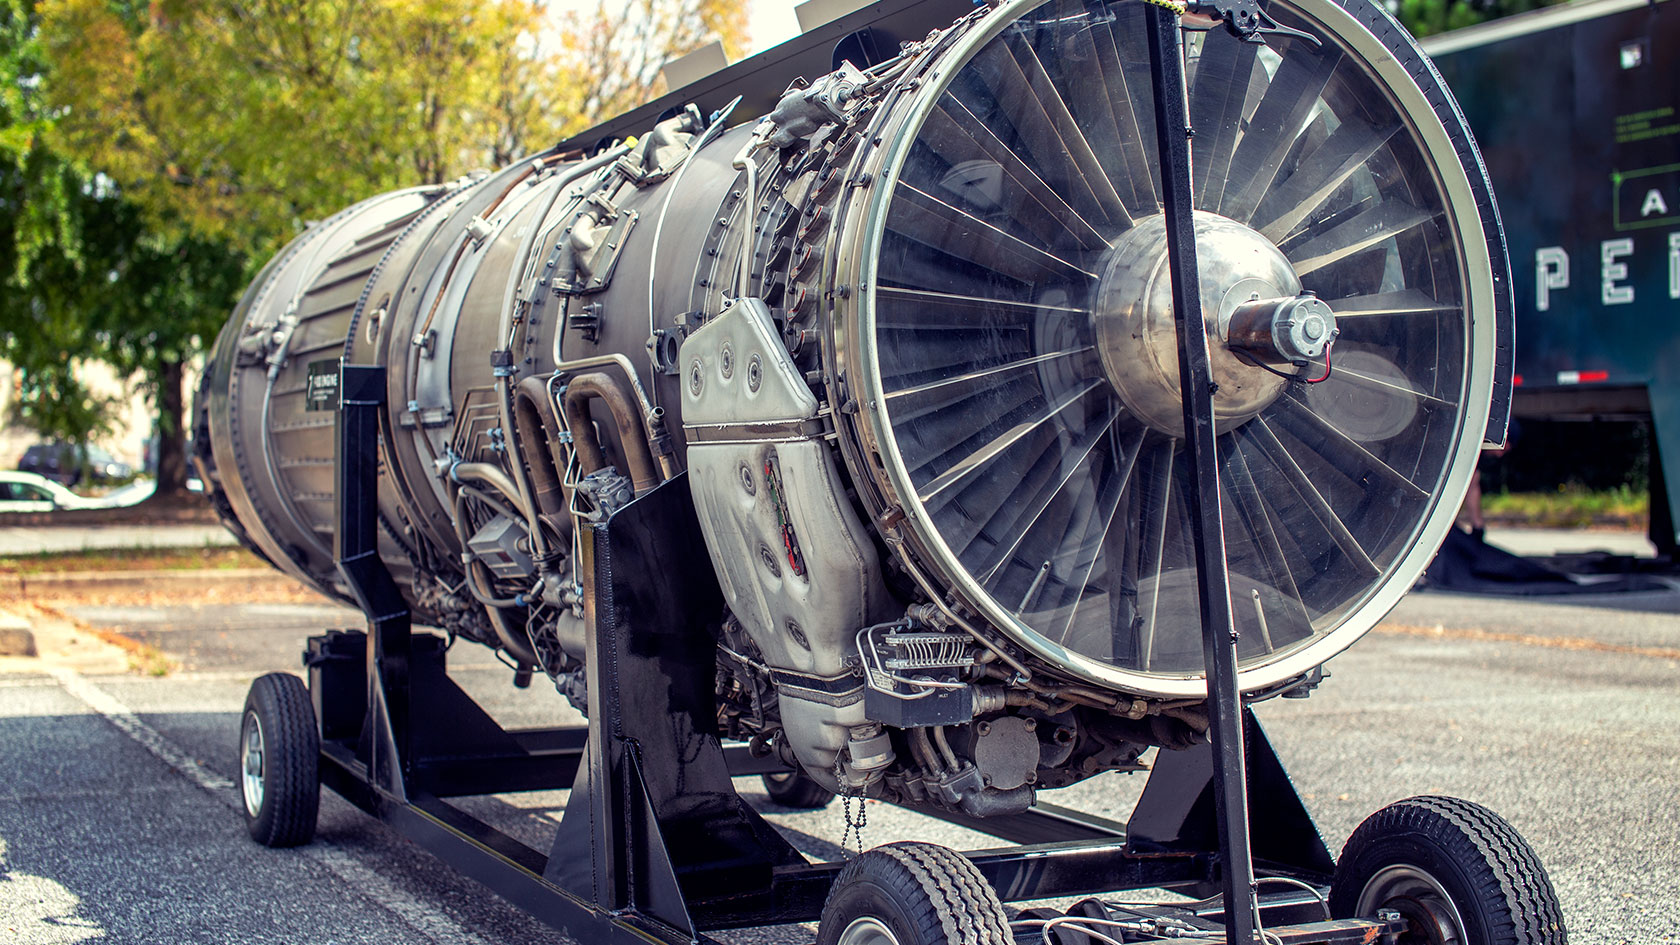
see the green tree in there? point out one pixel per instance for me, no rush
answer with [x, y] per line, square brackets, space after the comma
[243, 119]
[1428, 17]
[218, 128]
[614, 52]
[85, 277]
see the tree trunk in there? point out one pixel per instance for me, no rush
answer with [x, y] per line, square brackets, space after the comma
[172, 431]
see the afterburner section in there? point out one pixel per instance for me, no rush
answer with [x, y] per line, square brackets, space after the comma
[1010, 343]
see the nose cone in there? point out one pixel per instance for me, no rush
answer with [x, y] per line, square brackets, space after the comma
[1134, 319]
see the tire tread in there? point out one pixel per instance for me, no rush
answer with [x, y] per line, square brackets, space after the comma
[1506, 876]
[291, 746]
[946, 899]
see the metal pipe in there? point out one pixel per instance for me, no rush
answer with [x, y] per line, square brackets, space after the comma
[539, 433]
[492, 476]
[504, 381]
[922, 748]
[604, 360]
[478, 578]
[632, 437]
[654, 415]
[944, 744]
[586, 446]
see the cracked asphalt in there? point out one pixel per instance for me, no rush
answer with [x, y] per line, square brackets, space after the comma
[1564, 716]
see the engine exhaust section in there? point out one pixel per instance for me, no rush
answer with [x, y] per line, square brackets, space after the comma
[906, 346]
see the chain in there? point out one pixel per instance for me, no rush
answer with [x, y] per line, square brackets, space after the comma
[847, 795]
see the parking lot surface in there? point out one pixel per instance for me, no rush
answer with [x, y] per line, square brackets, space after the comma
[119, 820]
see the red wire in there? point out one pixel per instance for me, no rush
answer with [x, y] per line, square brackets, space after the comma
[1326, 375]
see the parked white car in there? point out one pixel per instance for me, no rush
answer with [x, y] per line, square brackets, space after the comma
[28, 492]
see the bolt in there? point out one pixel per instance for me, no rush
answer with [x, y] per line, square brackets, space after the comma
[1031, 724]
[984, 728]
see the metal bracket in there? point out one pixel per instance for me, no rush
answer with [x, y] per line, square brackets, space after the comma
[1246, 21]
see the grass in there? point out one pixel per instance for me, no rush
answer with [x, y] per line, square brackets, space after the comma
[1569, 507]
[149, 559]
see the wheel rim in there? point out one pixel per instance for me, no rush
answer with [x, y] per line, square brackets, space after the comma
[1430, 915]
[867, 930]
[1026, 517]
[251, 764]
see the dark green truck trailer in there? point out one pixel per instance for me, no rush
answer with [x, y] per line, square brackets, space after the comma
[1577, 110]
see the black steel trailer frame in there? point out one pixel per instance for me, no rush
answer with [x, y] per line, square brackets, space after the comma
[655, 844]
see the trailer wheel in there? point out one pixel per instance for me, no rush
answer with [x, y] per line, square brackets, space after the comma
[278, 762]
[912, 894]
[797, 790]
[1455, 871]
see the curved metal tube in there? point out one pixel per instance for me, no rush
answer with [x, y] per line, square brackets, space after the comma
[504, 385]
[632, 434]
[538, 428]
[492, 476]
[478, 578]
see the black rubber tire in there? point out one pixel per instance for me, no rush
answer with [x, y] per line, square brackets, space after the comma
[290, 754]
[794, 789]
[1488, 871]
[923, 893]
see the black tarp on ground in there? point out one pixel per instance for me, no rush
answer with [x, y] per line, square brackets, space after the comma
[1466, 563]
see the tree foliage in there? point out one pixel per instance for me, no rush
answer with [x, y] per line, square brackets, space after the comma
[614, 53]
[152, 154]
[1428, 17]
[83, 276]
[246, 118]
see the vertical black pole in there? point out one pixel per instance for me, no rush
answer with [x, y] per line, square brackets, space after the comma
[1219, 637]
[361, 395]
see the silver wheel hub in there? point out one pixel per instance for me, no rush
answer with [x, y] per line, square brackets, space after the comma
[251, 764]
[1251, 311]
[1431, 917]
[867, 930]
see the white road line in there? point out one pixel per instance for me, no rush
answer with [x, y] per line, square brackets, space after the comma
[435, 925]
[124, 718]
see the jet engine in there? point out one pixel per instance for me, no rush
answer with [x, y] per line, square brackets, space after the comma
[908, 339]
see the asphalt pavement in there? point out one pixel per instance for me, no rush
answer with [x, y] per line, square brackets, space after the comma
[119, 821]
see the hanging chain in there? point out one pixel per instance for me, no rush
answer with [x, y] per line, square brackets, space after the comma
[847, 795]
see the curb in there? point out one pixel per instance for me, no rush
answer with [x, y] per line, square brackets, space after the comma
[71, 582]
[16, 636]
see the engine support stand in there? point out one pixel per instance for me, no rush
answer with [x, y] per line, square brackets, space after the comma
[1219, 637]
[655, 845]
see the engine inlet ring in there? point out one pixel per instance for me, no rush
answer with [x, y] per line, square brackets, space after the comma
[1005, 189]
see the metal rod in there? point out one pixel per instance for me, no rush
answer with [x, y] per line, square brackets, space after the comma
[1219, 638]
